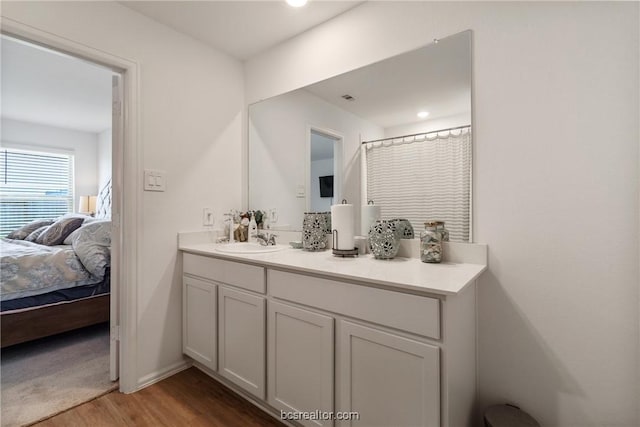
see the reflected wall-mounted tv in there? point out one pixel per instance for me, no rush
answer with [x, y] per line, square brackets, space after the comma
[326, 186]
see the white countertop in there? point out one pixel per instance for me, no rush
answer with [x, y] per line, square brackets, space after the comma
[411, 274]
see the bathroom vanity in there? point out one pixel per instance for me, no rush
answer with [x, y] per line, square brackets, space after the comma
[393, 340]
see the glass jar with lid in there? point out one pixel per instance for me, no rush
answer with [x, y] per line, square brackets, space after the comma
[431, 243]
[443, 231]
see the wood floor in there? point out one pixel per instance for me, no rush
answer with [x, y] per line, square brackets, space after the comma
[189, 398]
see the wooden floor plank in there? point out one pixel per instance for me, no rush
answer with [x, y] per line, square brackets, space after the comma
[188, 398]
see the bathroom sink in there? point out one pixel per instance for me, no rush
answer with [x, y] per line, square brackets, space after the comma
[248, 248]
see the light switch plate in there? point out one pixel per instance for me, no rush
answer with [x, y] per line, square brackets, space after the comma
[300, 191]
[155, 180]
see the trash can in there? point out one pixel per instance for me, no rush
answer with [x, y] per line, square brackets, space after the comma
[508, 416]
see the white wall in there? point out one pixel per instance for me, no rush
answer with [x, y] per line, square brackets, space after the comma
[279, 132]
[104, 158]
[448, 122]
[322, 167]
[191, 103]
[84, 146]
[556, 185]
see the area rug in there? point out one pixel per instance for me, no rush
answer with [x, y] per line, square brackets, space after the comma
[48, 376]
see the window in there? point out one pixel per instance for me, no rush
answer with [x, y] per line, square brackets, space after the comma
[423, 177]
[33, 185]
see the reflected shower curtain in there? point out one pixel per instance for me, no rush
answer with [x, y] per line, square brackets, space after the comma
[424, 177]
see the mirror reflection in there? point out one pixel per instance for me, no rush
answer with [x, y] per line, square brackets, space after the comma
[322, 170]
[397, 131]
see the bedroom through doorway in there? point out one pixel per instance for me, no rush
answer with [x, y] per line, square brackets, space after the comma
[60, 145]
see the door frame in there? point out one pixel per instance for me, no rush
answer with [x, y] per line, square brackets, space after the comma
[130, 193]
[338, 166]
[117, 159]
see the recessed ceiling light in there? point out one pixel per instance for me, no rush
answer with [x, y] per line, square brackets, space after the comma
[296, 3]
[423, 114]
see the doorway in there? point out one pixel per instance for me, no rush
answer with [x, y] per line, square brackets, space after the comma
[96, 187]
[325, 167]
[127, 216]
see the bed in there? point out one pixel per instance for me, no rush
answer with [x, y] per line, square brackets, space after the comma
[48, 289]
[39, 322]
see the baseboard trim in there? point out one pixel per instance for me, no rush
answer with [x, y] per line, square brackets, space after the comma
[161, 374]
[263, 406]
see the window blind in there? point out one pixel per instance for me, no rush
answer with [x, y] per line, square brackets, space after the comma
[423, 177]
[33, 185]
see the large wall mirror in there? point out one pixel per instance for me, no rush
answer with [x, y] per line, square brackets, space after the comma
[396, 131]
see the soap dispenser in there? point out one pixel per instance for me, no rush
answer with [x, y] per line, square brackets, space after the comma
[253, 229]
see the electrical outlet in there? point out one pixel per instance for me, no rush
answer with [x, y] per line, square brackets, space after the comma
[207, 217]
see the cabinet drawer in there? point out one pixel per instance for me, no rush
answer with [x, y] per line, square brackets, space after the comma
[411, 313]
[244, 276]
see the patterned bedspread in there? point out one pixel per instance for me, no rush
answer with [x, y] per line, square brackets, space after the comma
[29, 269]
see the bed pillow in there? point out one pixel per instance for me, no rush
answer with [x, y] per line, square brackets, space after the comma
[87, 220]
[34, 236]
[59, 230]
[22, 232]
[92, 244]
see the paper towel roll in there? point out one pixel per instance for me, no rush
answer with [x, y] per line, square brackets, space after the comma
[369, 215]
[342, 220]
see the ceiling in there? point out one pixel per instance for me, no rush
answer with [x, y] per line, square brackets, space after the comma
[72, 93]
[435, 78]
[75, 94]
[240, 28]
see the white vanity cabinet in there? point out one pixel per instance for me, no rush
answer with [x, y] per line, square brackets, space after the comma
[301, 351]
[199, 321]
[305, 339]
[387, 358]
[389, 380]
[241, 337]
[224, 315]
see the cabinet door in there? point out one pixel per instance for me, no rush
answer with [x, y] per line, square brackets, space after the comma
[300, 375]
[199, 317]
[242, 340]
[387, 379]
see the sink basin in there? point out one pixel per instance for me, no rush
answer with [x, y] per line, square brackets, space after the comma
[248, 248]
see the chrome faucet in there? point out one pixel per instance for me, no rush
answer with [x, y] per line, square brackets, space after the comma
[266, 239]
